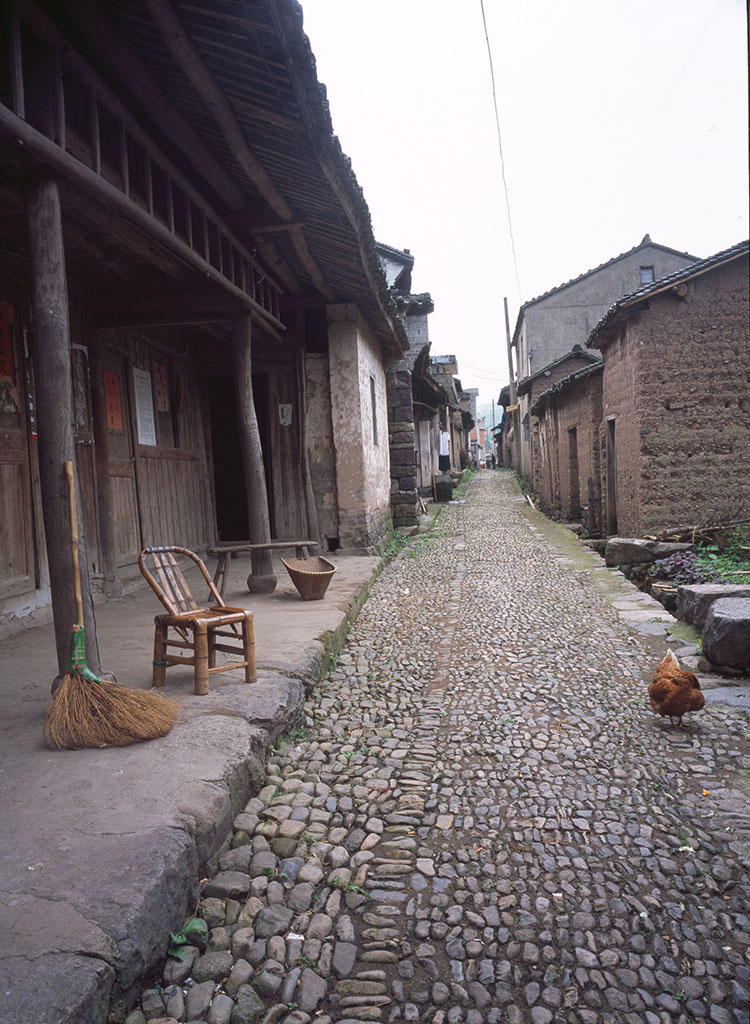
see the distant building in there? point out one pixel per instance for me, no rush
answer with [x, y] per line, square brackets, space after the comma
[551, 325]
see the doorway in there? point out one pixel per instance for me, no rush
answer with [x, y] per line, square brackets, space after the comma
[611, 477]
[574, 500]
[229, 477]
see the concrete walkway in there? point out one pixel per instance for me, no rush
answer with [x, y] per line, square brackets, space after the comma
[102, 850]
[486, 824]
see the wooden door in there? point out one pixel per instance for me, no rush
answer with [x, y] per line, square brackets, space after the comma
[121, 459]
[83, 433]
[611, 477]
[17, 514]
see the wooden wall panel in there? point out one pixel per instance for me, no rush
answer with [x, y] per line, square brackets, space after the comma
[16, 548]
[128, 541]
[172, 507]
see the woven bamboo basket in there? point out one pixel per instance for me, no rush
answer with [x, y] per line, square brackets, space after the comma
[310, 576]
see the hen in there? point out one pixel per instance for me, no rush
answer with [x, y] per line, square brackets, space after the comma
[674, 692]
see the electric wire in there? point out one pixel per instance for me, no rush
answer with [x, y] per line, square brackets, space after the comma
[500, 147]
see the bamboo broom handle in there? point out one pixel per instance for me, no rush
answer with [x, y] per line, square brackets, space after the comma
[74, 541]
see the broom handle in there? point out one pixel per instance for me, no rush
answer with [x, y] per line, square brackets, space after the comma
[74, 541]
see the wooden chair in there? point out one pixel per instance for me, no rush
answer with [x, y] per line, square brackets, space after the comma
[200, 629]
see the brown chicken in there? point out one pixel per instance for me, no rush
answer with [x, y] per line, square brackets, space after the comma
[674, 692]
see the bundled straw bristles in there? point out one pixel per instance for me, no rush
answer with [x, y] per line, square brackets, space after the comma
[87, 711]
[104, 714]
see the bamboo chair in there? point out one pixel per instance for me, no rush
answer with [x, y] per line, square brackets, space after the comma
[202, 630]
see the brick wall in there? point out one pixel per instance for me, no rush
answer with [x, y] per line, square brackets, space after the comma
[677, 378]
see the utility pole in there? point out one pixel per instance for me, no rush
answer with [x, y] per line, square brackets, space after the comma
[513, 392]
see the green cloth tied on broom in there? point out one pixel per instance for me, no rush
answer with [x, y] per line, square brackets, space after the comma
[87, 711]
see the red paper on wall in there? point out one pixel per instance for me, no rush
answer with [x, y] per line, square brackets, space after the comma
[112, 399]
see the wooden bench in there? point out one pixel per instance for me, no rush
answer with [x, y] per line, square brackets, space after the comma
[223, 551]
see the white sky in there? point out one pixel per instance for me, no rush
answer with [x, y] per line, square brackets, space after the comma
[618, 118]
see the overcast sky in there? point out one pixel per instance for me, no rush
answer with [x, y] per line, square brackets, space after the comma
[617, 117]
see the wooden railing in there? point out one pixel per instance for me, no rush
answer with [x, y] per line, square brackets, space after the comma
[65, 115]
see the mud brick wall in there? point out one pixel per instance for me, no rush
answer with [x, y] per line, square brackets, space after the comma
[540, 471]
[678, 380]
[579, 407]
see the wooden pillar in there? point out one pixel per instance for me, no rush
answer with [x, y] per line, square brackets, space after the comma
[112, 585]
[52, 374]
[311, 511]
[262, 579]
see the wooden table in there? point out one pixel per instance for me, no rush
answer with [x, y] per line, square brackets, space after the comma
[223, 551]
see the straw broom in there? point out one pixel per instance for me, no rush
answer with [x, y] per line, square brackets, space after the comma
[87, 711]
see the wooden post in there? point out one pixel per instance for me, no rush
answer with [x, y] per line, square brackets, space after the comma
[52, 373]
[262, 579]
[107, 530]
[513, 391]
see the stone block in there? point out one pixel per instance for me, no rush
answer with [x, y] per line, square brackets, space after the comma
[399, 396]
[402, 457]
[694, 601]
[726, 634]
[404, 498]
[628, 551]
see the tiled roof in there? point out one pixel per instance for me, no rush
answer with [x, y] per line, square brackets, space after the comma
[644, 243]
[664, 283]
[575, 353]
[566, 382]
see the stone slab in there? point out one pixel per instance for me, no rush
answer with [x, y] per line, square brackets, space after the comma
[102, 850]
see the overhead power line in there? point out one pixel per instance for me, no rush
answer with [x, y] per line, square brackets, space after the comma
[500, 146]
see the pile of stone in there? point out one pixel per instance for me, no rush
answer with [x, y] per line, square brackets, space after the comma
[721, 611]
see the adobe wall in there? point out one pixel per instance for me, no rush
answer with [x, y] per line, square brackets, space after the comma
[320, 451]
[579, 407]
[694, 402]
[360, 432]
[532, 457]
[619, 404]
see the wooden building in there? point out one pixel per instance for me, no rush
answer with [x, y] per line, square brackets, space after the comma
[191, 304]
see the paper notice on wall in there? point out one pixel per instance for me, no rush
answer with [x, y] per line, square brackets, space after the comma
[144, 407]
[445, 443]
[285, 415]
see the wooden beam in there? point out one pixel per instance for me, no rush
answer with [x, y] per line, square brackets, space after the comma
[165, 308]
[191, 64]
[126, 63]
[306, 259]
[54, 410]
[46, 29]
[16, 64]
[40, 147]
[276, 262]
[267, 229]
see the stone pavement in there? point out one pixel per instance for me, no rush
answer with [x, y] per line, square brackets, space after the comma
[101, 851]
[483, 821]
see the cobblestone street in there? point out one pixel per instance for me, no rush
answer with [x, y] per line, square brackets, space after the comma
[484, 821]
